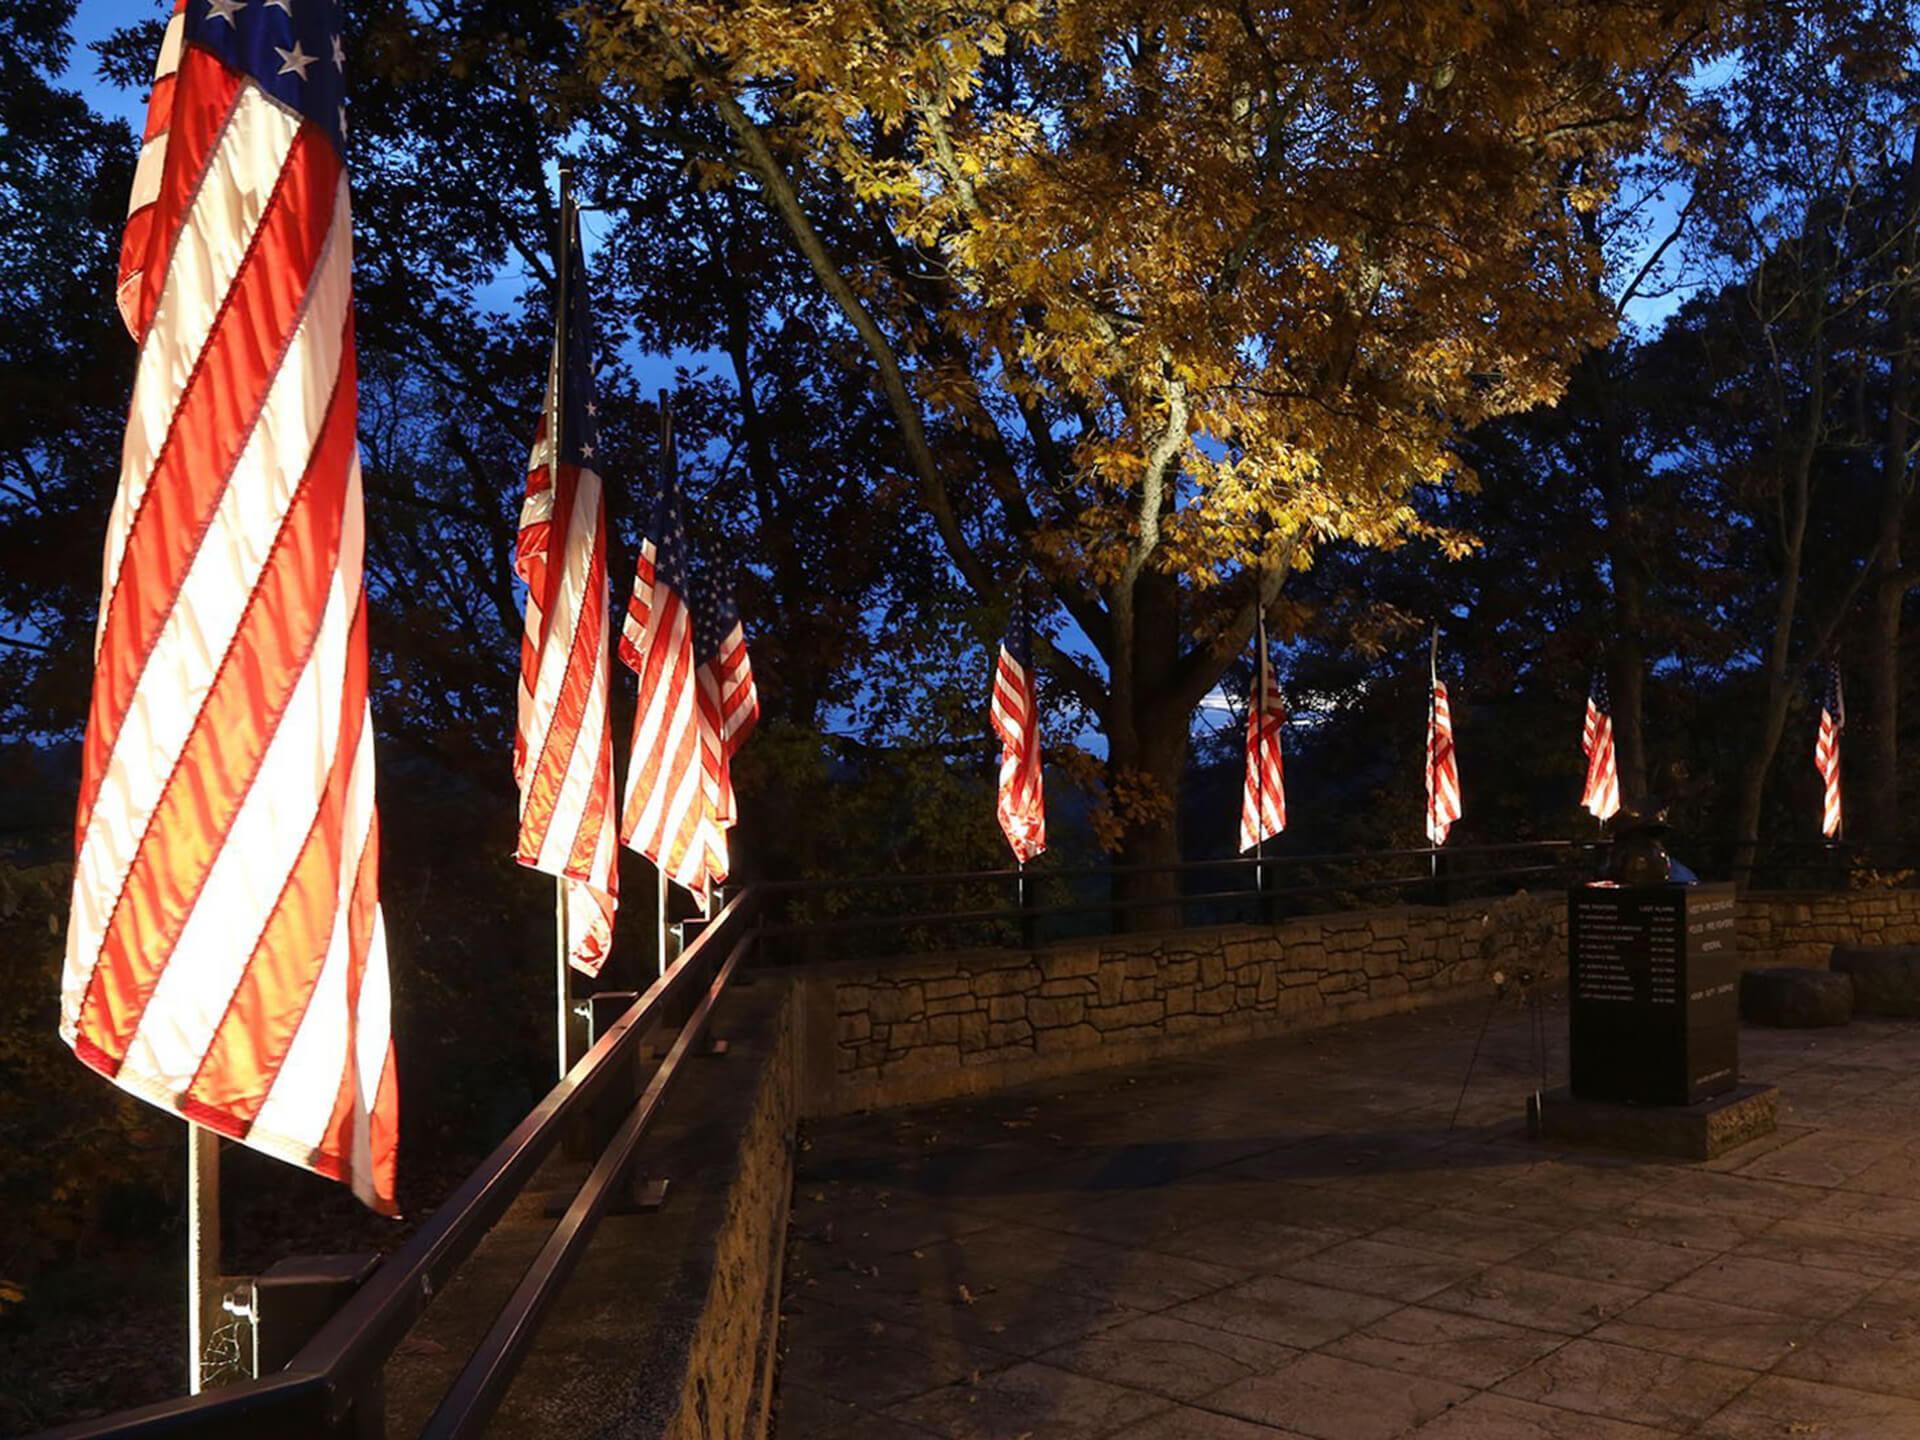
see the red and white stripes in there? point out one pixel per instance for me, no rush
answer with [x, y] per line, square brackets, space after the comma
[1443, 770]
[563, 752]
[225, 952]
[1263, 802]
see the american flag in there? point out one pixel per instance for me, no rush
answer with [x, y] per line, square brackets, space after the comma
[1263, 806]
[1601, 793]
[226, 955]
[697, 703]
[1022, 807]
[1826, 749]
[1443, 770]
[562, 749]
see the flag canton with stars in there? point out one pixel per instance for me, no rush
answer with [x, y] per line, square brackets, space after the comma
[290, 48]
[1019, 641]
[1830, 699]
[579, 408]
[1602, 701]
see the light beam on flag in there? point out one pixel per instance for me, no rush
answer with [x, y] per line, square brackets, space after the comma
[697, 705]
[226, 955]
[1601, 792]
[1443, 770]
[1826, 750]
[1015, 712]
[1263, 803]
[563, 749]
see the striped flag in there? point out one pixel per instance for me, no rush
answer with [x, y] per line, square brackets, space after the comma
[226, 955]
[697, 703]
[1601, 793]
[562, 749]
[1826, 750]
[1443, 770]
[1263, 805]
[1022, 806]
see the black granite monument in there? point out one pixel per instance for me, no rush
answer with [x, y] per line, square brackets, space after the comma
[1653, 991]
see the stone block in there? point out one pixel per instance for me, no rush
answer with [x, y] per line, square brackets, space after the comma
[897, 1002]
[973, 1030]
[1215, 1001]
[943, 1029]
[925, 1060]
[951, 1005]
[907, 1035]
[854, 1028]
[1066, 1037]
[1132, 990]
[1795, 997]
[1180, 972]
[1141, 967]
[1886, 978]
[1119, 1017]
[1685, 1132]
[1009, 1034]
[1007, 982]
[1070, 964]
[1078, 986]
[950, 986]
[1180, 1000]
[1006, 1007]
[847, 998]
[1213, 969]
[1047, 1011]
[1112, 978]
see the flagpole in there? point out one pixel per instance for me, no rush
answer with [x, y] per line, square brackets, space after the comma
[203, 1244]
[1433, 686]
[562, 265]
[1258, 759]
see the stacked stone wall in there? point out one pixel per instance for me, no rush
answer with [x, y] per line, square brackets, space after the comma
[924, 1028]
[929, 1027]
[1802, 928]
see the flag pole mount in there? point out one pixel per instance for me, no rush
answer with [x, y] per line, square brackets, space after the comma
[203, 1248]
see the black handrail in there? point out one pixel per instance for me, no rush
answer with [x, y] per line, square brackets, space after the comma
[336, 1370]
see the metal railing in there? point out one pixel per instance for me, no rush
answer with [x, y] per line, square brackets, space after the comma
[332, 1386]
[1027, 906]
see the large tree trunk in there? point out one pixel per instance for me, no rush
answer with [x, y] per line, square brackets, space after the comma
[1147, 736]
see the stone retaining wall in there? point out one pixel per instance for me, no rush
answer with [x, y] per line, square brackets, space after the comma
[1802, 928]
[926, 1028]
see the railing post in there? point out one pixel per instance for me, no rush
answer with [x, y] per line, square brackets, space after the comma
[291, 1301]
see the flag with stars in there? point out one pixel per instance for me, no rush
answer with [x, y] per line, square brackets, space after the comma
[1015, 714]
[1826, 749]
[1263, 799]
[563, 748]
[226, 956]
[1601, 793]
[697, 705]
[1443, 767]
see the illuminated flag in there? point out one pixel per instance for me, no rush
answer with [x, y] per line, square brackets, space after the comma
[697, 704]
[1826, 750]
[1022, 807]
[1443, 771]
[1263, 805]
[562, 750]
[226, 955]
[1601, 793]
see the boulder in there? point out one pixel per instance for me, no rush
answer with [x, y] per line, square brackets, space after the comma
[1886, 978]
[1795, 996]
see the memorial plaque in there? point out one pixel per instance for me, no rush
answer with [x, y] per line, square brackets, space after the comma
[1653, 978]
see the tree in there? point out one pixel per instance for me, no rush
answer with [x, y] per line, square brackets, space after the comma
[1164, 298]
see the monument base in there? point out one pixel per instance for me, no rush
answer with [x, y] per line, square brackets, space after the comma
[1702, 1131]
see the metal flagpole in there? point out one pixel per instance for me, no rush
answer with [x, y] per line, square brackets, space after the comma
[1258, 761]
[1433, 684]
[203, 1245]
[562, 265]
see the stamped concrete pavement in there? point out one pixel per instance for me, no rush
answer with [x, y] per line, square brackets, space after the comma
[1299, 1238]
